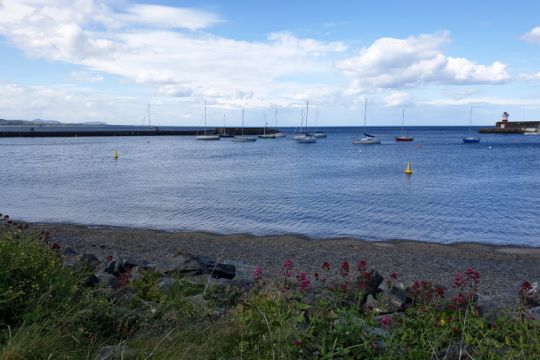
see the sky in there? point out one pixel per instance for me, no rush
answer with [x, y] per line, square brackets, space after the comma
[106, 60]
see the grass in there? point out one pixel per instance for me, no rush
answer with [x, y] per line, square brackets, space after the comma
[46, 312]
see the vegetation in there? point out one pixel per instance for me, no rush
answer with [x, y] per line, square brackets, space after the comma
[48, 311]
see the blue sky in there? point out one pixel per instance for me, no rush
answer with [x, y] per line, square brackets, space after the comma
[104, 60]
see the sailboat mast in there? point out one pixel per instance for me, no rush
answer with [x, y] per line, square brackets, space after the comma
[316, 119]
[470, 122]
[149, 121]
[365, 108]
[307, 111]
[242, 121]
[204, 117]
[402, 120]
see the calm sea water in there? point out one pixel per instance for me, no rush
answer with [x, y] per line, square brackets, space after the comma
[487, 192]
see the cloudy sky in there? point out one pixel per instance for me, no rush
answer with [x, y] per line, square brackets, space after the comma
[105, 60]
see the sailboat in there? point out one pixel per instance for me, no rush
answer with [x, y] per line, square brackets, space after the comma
[318, 134]
[204, 136]
[244, 138]
[367, 139]
[471, 139]
[265, 135]
[305, 137]
[403, 138]
[278, 133]
[224, 133]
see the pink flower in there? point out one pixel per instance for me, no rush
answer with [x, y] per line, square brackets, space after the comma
[345, 268]
[362, 265]
[440, 291]
[475, 275]
[386, 322]
[459, 299]
[287, 265]
[393, 275]
[326, 266]
[303, 280]
[297, 342]
[316, 276]
[257, 274]
[343, 287]
[459, 281]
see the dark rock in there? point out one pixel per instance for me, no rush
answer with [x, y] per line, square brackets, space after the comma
[243, 273]
[69, 251]
[111, 267]
[217, 270]
[91, 281]
[133, 262]
[392, 299]
[89, 262]
[179, 264]
[107, 280]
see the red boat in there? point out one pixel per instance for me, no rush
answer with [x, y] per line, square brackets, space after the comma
[404, 138]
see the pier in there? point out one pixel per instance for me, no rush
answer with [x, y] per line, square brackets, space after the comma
[101, 131]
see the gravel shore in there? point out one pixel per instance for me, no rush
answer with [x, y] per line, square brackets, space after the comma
[501, 267]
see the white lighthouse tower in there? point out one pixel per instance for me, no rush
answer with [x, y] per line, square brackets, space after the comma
[504, 119]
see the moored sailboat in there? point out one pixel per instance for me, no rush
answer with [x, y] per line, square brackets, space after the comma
[305, 137]
[402, 137]
[470, 139]
[367, 139]
[205, 136]
[244, 138]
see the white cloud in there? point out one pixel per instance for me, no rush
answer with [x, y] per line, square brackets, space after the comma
[398, 99]
[85, 76]
[416, 60]
[145, 44]
[529, 77]
[533, 35]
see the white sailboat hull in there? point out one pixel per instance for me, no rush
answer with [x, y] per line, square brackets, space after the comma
[245, 138]
[366, 141]
[208, 137]
[306, 140]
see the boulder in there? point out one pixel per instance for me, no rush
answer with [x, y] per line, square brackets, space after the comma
[107, 280]
[91, 281]
[178, 264]
[217, 270]
[243, 273]
[89, 262]
[69, 251]
[392, 299]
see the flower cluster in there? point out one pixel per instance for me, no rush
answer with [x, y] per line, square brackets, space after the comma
[257, 274]
[303, 281]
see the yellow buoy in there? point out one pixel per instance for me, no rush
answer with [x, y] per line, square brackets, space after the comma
[408, 170]
[116, 156]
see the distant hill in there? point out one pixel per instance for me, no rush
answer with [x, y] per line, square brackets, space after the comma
[41, 122]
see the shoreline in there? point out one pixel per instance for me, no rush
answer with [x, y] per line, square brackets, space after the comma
[501, 267]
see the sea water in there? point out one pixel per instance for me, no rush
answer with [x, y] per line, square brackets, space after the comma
[487, 192]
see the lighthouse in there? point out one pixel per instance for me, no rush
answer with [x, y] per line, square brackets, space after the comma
[504, 119]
